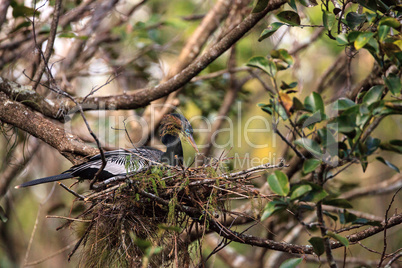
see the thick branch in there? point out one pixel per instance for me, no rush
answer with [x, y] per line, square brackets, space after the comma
[393, 221]
[20, 116]
[188, 54]
[26, 95]
[143, 97]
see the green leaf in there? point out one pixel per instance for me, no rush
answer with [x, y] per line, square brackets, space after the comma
[176, 229]
[353, 19]
[271, 29]
[328, 19]
[318, 245]
[371, 17]
[292, 4]
[346, 217]
[393, 83]
[260, 6]
[372, 144]
[272, 207]
[366, 222]
[291, 263]
[372, 47]
[281, 111]
[361, 120]
[373, 95]
[391, 22]
[310, 165]
[313, 119]
[282, 54]
[310, 145]
[285, 86]
[338, 202]
[344, 124]
[342, 104]
[328, 142]
[314, 103]
[300, 191]
[326, 137]
[67, 35]
[383, 31]
[352, 36]
[333, 217]
[23, 11]
[389, 164]
[279, 183]
[289, 17]
[317, 196]
[342, 39]
[297, 105]
[264, 64]
[266, 108]
[364, 164]
[396, 142]
[152, 251]
[142, 244]
[369, 4]
[363, 39]
[344, 241]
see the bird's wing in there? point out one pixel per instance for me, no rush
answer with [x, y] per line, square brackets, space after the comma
[118, 162]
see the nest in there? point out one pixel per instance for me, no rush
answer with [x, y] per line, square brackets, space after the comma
[140, 220]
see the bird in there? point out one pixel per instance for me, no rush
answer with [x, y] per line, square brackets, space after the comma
[175, 128]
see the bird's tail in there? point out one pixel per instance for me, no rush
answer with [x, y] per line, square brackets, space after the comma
[46, 179]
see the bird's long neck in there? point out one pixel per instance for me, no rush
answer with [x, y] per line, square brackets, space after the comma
[174, 151]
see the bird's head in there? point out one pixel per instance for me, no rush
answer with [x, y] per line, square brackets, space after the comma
[177, 125]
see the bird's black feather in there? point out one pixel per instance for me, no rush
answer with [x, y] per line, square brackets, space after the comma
[121, 162]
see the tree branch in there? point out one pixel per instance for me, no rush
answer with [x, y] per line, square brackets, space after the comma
[20, 116]
[49, 46]
[12, 170]
[144, 97]
[383, 187]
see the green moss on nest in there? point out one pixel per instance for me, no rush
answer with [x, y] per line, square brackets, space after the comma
[140, 220]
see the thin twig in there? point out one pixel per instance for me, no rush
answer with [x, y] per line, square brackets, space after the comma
[81, 197]
[49, 45]
[66, 218]
[298, 153]
[36, 223]
[50, 256]
[385, 227]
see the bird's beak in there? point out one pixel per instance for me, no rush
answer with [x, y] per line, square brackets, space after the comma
[190, 139]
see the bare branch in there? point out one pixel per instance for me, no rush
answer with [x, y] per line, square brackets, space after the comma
[228, 100]
[228, 254]
[383, 187]
[18, 115]
[385, 229]
[12, 170]
[49, 46]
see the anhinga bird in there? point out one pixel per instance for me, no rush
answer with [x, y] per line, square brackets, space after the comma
[174, 129]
